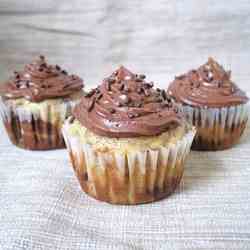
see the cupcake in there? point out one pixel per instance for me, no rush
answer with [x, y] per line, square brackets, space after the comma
[35, 102]
[213, 104]
[127, 141]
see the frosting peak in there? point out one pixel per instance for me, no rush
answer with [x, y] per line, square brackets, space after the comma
[125, 105]
[123, 74]
[39, 81]
[210, 85]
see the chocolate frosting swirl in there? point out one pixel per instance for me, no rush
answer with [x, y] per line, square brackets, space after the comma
[125, 105]
[39, 81]
[210, 85]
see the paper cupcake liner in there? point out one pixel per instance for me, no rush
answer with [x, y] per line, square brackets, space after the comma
[131, 178]
[217, 128]
[40, 130]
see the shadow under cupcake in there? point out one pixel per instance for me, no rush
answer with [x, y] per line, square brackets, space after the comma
[213, 104]
[35, 102]
[127, 141]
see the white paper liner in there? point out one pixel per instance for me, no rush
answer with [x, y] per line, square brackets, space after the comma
[24, 125]
[217, 128]
[131, 178]
[63, 109]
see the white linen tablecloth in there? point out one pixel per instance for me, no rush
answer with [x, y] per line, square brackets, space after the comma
[41, 204]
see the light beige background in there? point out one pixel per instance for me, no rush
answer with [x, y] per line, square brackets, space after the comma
[41, 204]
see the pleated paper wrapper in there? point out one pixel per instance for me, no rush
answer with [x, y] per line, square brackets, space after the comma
[217, 128]
[39, 130]
[128, 178]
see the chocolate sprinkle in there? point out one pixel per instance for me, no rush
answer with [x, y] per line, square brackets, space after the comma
[121, 87]
[163, 94]
[71, 119]
[119, 104]
[169, 98]
[90, 93]
[140, 90]
[99, 96]
[142, 76]
[218, 83]
[43, 65]
[176, 110]
[91, 105]
[131, 115]
[65, 86]
[111, 80]
[58, 67]
[108, 86]
[17, 75]
[149, 85]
